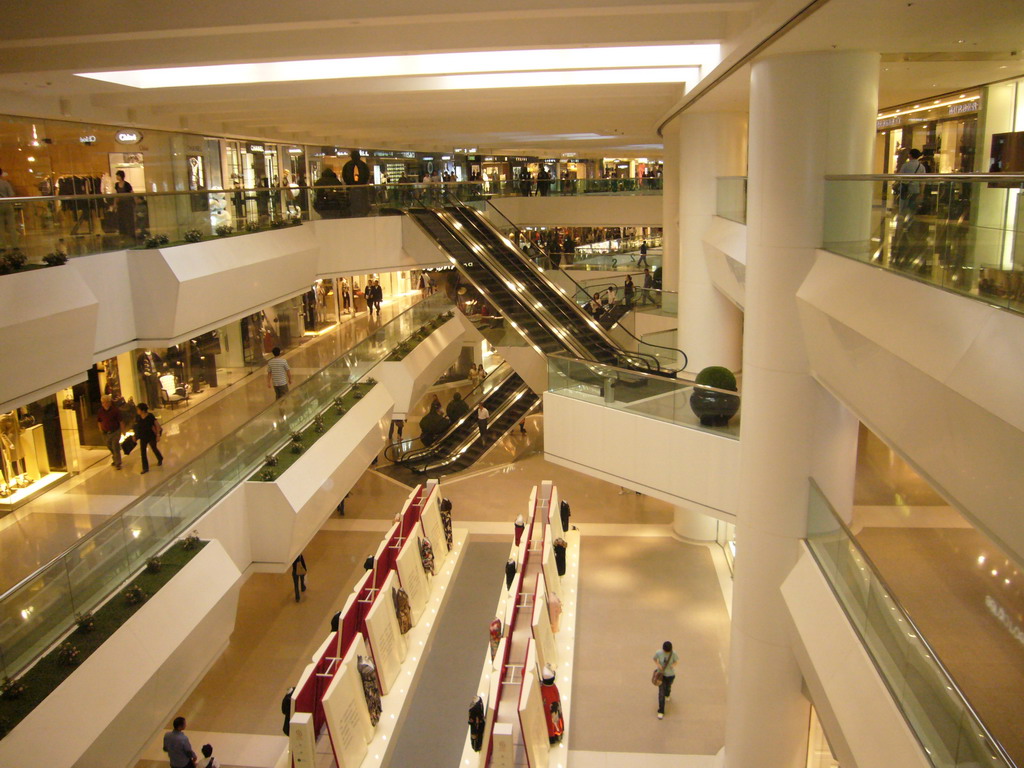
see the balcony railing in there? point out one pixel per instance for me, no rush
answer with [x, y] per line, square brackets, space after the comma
[731, 198]
[962, 232]
[948, 729]
[81, 225]
[43, 606]
[676, 401]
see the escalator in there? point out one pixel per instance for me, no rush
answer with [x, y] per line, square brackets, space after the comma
[550, 321]
[506, 397]
[511, 251]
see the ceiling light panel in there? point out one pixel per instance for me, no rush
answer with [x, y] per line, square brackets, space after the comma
[643, 58]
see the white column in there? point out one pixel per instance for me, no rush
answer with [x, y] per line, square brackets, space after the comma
[711, 144]
[693, 525]
[810, 114]
[670, 207]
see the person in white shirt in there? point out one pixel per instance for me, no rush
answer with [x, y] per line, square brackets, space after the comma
[482, 415]
[279, 374]
[910, 191]
[208, 760]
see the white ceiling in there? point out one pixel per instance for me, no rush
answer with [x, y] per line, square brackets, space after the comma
[47, 41]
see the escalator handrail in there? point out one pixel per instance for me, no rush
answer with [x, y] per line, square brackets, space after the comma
[425, 463]
[504, 376]
[480, 251]
[484, 292]
[651, 362]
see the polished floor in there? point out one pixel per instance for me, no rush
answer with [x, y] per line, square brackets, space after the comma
[670, 588]
[44, 528]
[965, 596]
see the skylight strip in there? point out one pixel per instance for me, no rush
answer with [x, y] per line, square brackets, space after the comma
[621, 57]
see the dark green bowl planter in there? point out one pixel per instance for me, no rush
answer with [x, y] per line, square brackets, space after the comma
[715, 409]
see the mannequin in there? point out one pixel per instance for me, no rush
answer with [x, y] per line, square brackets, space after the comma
[402, 609]
[520, 526]
[510, 572]
[370, 690]
[10, 450]
[477, 721]
[552, 705]
[149, 365]
[427, 556]
[564, 512]
[495, 636]
[559, 546]
[446, 521]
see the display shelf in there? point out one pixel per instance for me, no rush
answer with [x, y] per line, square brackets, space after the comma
[490, 685]
[25, 495]
[418, 642]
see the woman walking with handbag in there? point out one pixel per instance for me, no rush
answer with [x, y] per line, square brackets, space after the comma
[664, 675]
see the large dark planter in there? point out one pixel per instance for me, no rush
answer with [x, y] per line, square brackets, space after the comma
[714, 409]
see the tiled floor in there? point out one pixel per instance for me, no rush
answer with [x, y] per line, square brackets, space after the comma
[274, 637]
[42, 529]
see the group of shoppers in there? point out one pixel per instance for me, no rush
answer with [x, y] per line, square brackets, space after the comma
[336, 198]
[146, 432]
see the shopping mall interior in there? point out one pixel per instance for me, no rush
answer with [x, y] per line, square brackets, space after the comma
[565, 384]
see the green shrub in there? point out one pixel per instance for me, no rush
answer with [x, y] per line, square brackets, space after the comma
[55, 259]
[68, 654]
[223, 230]
[11, 690]
[267, 475]
[190, 542]
[86, 623]
[718, 377]
[153, 565]
[134, 595]
[193, 236]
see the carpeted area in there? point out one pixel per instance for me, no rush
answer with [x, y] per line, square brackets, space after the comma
[433, 728]
[634, 595]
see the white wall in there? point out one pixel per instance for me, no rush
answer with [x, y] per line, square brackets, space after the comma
[725, 253]
[681, 465]
[409, 378]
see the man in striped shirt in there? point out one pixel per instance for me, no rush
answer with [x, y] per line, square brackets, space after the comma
[279, 374]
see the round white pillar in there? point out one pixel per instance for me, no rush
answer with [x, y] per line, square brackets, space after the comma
[670, 207]
[692, 525]
[711, 144]
[810, 115]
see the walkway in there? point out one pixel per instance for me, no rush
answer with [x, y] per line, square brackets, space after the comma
[236, 706]
[44, 528]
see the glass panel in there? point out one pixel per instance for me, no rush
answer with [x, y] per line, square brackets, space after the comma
[933, 706]
[656, 397]
[963, 234]
[731, 198]
[35, 613]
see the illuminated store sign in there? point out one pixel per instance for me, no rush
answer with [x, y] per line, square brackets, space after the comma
[87, 139]
[255, 148]
[126, 136]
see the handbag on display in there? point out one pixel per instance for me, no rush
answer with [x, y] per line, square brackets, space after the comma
[128, 444]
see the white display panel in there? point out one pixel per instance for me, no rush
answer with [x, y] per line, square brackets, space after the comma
[302, 740]
[331, 641]
[555, 515]
[433, 530]
[503, 751]
[386, 642]
[347, 718]
[414, 580]
[547, 651]
[531, 720]
[349, 602]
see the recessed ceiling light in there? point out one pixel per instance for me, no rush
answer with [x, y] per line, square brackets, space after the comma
[506, 62]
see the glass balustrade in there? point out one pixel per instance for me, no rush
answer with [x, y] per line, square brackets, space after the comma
[51, 228]
[673, 400]
[649, 300]
[963, 232]
[37, 611]
[941, 718]
[731, 198]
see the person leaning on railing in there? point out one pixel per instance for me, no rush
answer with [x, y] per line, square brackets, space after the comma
[329, 200]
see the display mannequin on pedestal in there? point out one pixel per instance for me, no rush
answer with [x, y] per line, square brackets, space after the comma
[477, 720]
[510, 572]
[402, 609]
[520, 527]
[427, 556]
[565, 512]
[559, 546]
[495, 631]
[446, 521]
[552, 705]
[149, 365]
[554, 611]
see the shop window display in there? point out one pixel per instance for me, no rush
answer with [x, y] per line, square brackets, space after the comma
[31, 452]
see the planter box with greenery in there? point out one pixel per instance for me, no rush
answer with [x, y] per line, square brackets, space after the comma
[714, 409]
[287, 502]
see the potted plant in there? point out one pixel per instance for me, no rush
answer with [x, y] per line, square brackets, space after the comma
[713, 408]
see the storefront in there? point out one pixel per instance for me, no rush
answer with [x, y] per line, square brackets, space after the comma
[944, 129]
[32, 456]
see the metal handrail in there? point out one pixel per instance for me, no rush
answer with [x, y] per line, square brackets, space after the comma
[910, 622]
[531, 265]
[685, 381]
[987, 177]
[120, 514]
